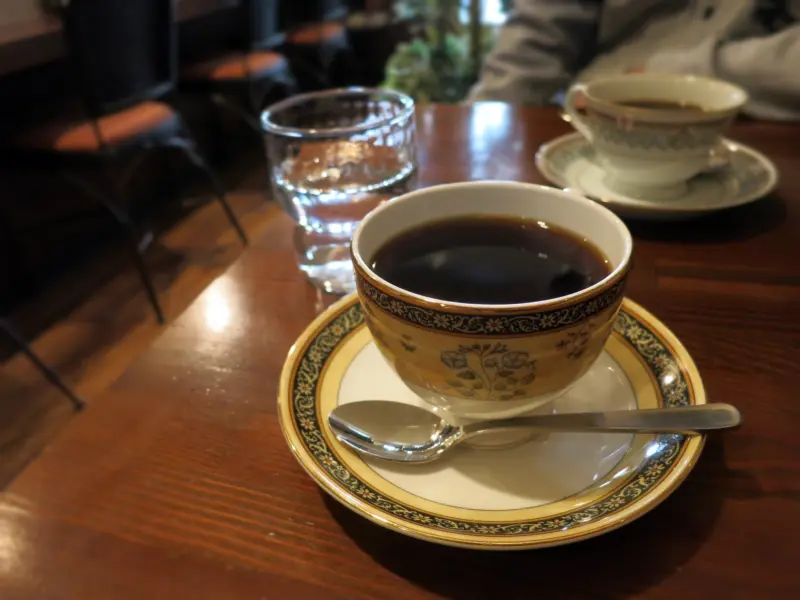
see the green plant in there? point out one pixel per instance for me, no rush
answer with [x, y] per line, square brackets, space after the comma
[441, 65]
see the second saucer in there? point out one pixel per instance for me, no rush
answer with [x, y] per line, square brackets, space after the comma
[570, 162]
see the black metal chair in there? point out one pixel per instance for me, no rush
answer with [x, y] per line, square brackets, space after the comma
[12, 255]
[317, 44]
[374, 33]
[9, 332]
[252, 73]
[124, 57]
[313, 11]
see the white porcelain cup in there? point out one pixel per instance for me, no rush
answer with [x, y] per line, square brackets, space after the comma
[484, 361]
[652, 152]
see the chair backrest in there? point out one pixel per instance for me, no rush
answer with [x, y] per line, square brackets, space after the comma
[309, 11]
[122, 51]
[259, 24]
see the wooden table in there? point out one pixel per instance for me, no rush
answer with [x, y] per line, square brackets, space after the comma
[178, 484]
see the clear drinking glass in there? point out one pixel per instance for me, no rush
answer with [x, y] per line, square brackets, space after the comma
[333, 157]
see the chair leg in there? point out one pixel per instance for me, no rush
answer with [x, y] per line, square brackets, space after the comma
[134, 241]
[16, 260]
[117, 210]
[307, 71]
[189, 148]
[222, 102]
[46, 370]
[280, 86]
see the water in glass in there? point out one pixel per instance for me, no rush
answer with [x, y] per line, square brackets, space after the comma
[348, 151]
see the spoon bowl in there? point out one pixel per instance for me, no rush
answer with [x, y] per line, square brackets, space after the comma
[393, 430]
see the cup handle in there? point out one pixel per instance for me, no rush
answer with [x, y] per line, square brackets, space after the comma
[719, 157]
[570, 107]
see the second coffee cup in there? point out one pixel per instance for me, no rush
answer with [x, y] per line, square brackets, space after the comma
[652, 132]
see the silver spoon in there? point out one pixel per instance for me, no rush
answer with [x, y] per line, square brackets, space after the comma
[407, 433]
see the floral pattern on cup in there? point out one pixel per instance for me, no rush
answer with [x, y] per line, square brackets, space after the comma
[489, 371]
[407, 343]
[632, 134]
[575, 342]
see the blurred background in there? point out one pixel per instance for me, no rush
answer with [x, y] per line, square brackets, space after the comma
[132, 163]
[49, 69]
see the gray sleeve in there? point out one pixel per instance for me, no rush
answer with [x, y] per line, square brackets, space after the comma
[769, 69]
[538, 50]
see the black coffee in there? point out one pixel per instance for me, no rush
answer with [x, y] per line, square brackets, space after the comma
[490, 260]
[663, 105]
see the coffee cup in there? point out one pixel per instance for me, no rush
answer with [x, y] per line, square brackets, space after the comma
[484, 360]
[654, 131]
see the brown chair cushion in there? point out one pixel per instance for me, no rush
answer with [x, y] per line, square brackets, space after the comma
[316, 33]
[117, 128]
[232, 66]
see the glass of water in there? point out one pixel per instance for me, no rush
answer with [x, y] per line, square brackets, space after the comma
[333, 157]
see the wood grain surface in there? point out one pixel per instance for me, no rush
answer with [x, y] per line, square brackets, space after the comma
[177, 482]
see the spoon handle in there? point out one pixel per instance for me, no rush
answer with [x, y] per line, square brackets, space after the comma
[686, 419]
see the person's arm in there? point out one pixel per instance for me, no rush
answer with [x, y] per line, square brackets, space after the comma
[769, 69]
[538, 50]
[766, 64]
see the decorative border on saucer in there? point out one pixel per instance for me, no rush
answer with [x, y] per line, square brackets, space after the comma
[491, 324]
[305, 380]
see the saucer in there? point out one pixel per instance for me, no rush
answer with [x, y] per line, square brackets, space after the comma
[570, 162]
[556, 489]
